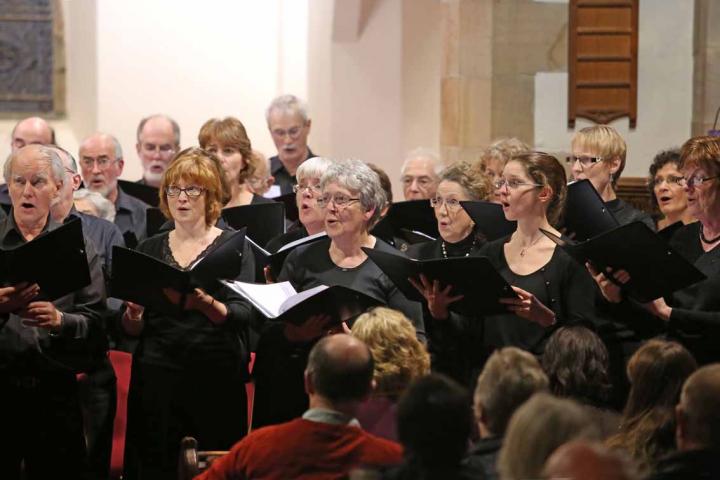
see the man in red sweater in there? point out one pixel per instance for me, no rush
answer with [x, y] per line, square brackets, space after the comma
[327, 442]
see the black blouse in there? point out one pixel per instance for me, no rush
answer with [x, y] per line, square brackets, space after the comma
[310, 265]
[192, 340]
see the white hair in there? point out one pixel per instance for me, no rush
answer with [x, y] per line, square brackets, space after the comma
[426, 153]
[288, 104]
[105, 208]
[46, 154]
[314, 167]
[357, 176]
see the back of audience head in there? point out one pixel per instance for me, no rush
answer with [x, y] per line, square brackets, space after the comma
[434, 422]
[537, 428]
[576, 362]
[698, 412]
[419, 174]
[510, 377]
[339, 370]
[399, 356]
[583, 460]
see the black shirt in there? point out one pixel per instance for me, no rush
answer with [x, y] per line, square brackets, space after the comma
[625, 213]
[192, 340]
[283, 179]
[310, 265]
[32, 350]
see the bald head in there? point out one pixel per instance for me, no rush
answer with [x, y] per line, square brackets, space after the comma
[29, 131]
[588, 461]
[698, 413]
[340, 369]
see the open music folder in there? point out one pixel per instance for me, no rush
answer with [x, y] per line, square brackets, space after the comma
[489, 219]
[140, 278]
[264, 221]
[276, 260]
[586, 214]
[655, 268]
[280, 301]
[473, 277]
[55, 260]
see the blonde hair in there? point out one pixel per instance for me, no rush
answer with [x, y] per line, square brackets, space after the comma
[537, 428]
[399, 356]
[604, 141]
[201, 168]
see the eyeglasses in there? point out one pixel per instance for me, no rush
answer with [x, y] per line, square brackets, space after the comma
[584, 161]
[312, 189]
[670, 179]
[513, 184]
[341, 201]
[164, 150]
[191, 191]
[696, 180]
[102, 162]
[293, 132]
[423, 181]
[452, 204]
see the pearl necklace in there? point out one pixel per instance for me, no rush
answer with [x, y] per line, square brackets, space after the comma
[444, 250]
[524, 249]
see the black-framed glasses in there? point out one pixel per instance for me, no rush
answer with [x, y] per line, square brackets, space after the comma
[192, 191]
[670, 180]
[341, 201]
[513, 183]
[313, 189]
[585, 161]
[452, 204]
[696, 180]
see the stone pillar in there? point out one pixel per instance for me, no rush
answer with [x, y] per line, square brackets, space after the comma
[706, 53]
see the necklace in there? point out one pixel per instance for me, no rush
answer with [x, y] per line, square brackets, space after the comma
[524, 249]
[702, 236]
[444, 250]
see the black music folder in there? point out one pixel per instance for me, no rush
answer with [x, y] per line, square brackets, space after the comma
[489, 219]
[154, 220]
[263, 221]
[473, 277]
[281, 302]
[289, 200]
[655, 268]
[55, 260]
[411, 215]
[276, 260]
[140, 278]
[146, 193]
[586, 214]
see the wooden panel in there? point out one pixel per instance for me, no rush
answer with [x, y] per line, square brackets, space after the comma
[602, 60]
[634, 190]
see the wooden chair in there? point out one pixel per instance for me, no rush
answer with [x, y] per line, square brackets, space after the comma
[192, 462]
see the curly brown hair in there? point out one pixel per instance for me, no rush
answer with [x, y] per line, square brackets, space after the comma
[475, 183]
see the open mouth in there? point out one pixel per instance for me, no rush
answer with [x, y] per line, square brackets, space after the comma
[27, 205]
[505, 204]
[665, 199]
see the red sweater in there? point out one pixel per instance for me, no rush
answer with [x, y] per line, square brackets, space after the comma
[303, 449]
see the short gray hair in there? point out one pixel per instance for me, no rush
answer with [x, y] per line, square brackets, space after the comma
[422, 152]
[314, 167]
[357, 176]
[106, 209]
[46, 154]
[288, 104]
[175, 127]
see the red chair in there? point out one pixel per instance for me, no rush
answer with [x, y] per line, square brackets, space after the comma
[122, 363]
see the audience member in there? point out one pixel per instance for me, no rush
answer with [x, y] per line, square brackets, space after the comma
[399, 359]
[101, 162]
[93, 203]
[536, 429]
[419, 174]
[327, 442]
[697, 429]
[493, 159]
[667, 190]
[289, 124]
[510, 377]
[656, 372]
[41, 418]
[582, 460]
[261, 182]
[158, 140]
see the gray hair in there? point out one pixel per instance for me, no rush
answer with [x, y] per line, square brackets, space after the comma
[422, 152]
[46, 154]
[175, 126]
[288, 104]
[105, 208]
[356, 176]
[314, 167]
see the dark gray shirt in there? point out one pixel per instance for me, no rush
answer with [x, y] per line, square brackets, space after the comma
[130, 216]
[283, 179]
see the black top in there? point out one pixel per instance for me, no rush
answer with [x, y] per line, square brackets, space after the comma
[693, 464]
[257, 199]
[102, 233]
[310, 265]
[32, 350]
[483, 456]
[130, 217]
[695, 317]
[434, 249]
[625, 213]
[283, 179]
[561, 285]
[192, 340]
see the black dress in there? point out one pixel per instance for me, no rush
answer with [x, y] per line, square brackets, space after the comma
[188, 378]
